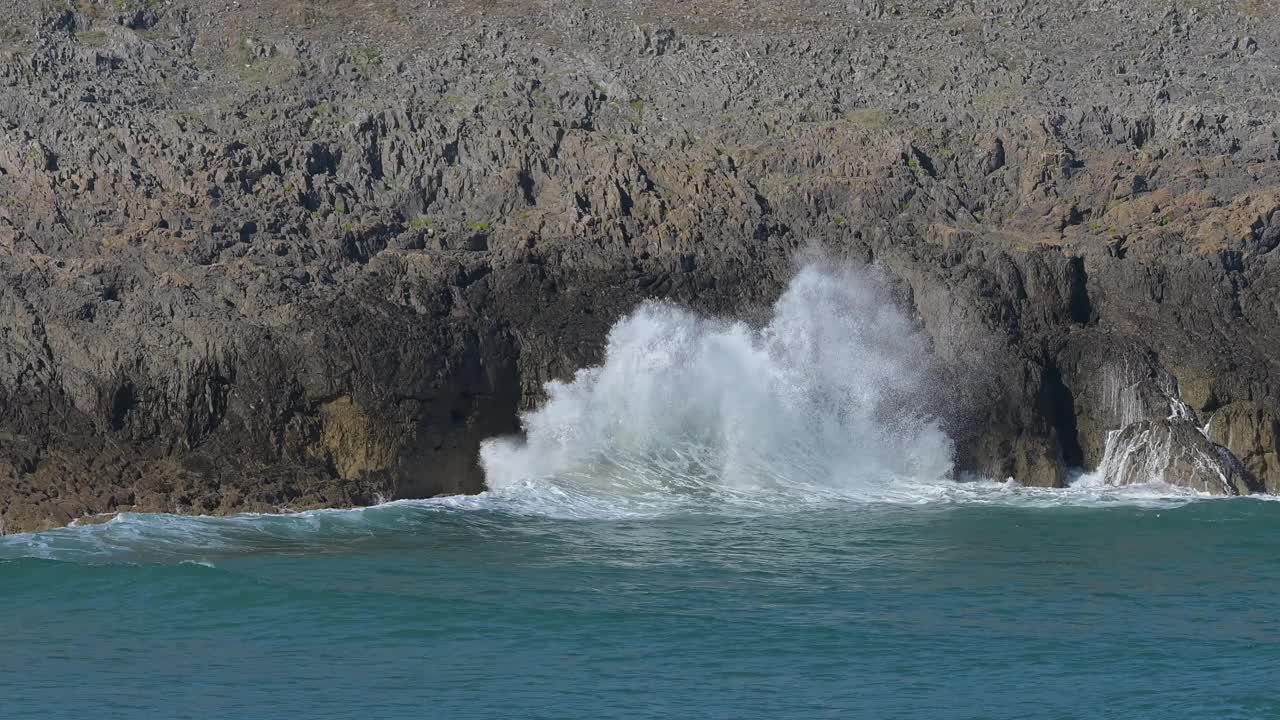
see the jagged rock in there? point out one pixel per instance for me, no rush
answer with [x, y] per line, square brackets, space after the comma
[1252, 432]
[1174, 452]
[304, 254]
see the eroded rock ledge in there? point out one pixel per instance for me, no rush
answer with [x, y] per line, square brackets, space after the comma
[299, 254]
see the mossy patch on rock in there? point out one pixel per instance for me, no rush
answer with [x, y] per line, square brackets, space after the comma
[1196, 388]
[351, 440]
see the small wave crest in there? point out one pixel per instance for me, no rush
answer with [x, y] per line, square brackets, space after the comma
[202, 539]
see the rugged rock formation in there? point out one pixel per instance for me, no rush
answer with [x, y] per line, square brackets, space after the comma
[1251, 431]
[282, 254]
[1152, 450]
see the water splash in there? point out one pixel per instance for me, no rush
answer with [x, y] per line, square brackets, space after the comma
[826, 397]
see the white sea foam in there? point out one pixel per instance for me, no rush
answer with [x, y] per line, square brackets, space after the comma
[147, 538]
[822, 400]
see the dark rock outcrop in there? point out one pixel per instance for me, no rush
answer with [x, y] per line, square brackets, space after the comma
[293, 254]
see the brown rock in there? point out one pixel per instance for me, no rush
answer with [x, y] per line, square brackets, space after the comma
[1252, 432]
[1174, 452]
[268, 257]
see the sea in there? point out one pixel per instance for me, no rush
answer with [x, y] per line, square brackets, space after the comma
[721, 520]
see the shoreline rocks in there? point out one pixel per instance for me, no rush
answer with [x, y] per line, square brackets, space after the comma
[1176, 452]
[287, 256]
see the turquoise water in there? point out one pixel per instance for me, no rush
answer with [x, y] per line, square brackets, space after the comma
[990, 603]
[720, 521]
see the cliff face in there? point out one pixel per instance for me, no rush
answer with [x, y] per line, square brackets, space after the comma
[311, 252]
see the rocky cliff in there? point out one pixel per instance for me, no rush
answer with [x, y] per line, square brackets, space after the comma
[277, 254]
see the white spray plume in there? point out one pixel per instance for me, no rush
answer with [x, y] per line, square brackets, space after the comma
[825, 396]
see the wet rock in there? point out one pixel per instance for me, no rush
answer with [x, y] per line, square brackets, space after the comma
[1175, 452]
[274, 256]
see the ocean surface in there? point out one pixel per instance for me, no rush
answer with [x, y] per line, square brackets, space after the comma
[985, 602]
[719, 521]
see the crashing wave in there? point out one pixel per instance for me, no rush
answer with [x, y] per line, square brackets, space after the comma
[825, 397]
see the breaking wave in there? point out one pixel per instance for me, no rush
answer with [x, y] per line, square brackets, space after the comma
[827, 397]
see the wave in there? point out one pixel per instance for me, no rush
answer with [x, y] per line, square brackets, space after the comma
[828, 396]
[204, 542]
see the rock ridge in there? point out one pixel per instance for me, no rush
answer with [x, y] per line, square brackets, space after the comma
[300, 254]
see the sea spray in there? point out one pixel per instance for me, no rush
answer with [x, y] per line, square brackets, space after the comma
[826, 396]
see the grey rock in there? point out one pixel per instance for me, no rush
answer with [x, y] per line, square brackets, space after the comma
[1251, 431]
[306, 254]
[1175, 452]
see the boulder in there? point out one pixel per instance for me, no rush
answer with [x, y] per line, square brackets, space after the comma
[1176, 452]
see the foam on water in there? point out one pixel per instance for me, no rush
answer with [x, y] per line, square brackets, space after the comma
[204, 540]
